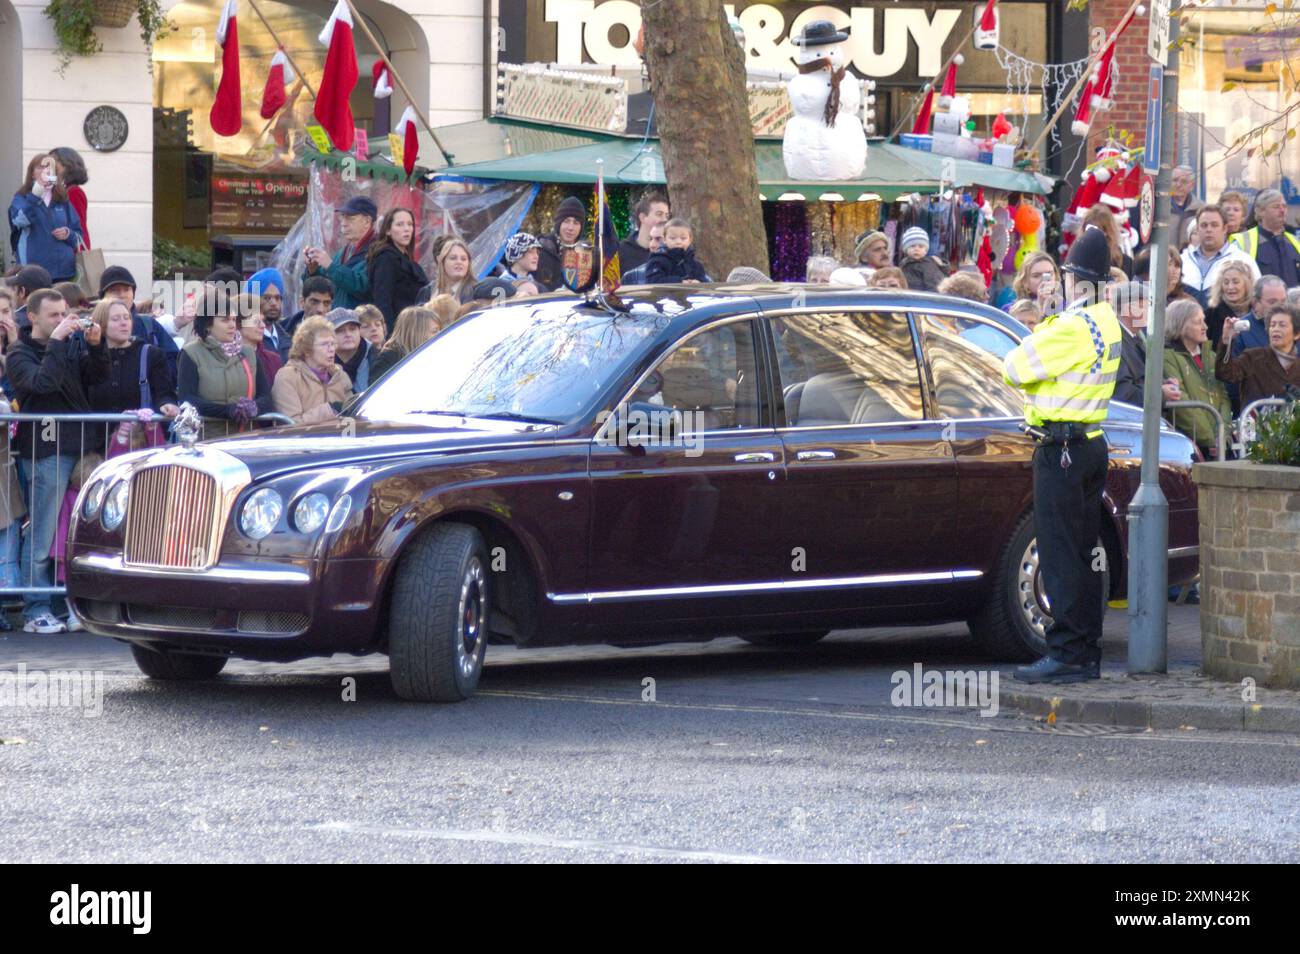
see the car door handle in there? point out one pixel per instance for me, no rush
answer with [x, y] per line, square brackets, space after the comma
[761, 457]
[815, 455]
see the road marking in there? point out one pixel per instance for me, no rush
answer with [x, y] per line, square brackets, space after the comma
[525, 839]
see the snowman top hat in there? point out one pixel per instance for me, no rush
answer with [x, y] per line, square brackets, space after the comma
[820, 33]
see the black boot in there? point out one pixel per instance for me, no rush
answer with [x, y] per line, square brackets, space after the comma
[1052, 670]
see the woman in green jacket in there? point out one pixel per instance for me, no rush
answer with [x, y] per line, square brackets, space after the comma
[1189, 362]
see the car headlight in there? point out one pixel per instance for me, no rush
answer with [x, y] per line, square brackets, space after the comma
[310, 513]
[94, 500]
[261, 512]
[115, 504]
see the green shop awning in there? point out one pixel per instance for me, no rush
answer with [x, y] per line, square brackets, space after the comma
[892, 171]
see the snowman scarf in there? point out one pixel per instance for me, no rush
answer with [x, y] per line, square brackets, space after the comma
[837, 75]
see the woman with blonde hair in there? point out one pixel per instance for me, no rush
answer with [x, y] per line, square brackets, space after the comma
[311, 388]
[1230, 298]
[415, 326]
[455, 270]
[1038, 281]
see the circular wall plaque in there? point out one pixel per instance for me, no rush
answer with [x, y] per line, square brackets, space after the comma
[106, 128]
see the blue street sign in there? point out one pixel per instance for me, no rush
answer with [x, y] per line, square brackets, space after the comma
[1155, 97]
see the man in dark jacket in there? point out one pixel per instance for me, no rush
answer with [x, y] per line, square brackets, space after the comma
[347, 269]
[1130, 303]
[564, 248]
[117, 282]
[317, 299]
[635, 250]
[30, 278]
[49, 375]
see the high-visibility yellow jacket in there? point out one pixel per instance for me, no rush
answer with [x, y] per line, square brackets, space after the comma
[1067, 367]
[1248, 241]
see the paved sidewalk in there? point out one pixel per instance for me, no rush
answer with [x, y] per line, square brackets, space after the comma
[1181, 699]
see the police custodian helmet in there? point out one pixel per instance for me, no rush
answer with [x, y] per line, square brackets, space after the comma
[1089, 257]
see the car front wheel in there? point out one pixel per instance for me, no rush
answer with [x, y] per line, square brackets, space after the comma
[1013, 623]
[437, 625]
[189, 667]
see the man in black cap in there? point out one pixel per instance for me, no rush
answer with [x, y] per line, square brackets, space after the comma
[118, 283]
[352, 352]
[564, 250]
[347, 270]
[1067, 369]
[30, 278]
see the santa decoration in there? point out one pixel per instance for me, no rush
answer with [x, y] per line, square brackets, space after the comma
[986, 27]
[922, 124]
[1115, 180]
[380, 81]
[277, 81]
[407, 132]
[824, 138]
[227, 114]
[950, 82]
[333, 109]
[1097, 91]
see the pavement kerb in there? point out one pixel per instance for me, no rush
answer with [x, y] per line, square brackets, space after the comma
[1074, 703]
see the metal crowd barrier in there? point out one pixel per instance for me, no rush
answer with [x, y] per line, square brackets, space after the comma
[1246, 422]
[24, 477]
[1221, 430]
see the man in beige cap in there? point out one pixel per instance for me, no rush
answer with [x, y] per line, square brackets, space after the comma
[873, 249]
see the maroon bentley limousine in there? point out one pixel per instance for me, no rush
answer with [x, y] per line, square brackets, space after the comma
[770, 462]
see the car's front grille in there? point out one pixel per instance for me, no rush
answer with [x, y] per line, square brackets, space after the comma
[172, 617]
[172, 519]
[272, 622]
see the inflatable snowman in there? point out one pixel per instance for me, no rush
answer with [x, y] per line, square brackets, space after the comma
[824, 137]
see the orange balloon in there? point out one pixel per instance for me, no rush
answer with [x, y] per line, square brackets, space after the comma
[1028, 219]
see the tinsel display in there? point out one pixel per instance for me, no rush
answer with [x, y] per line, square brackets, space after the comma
[848, 221]
[541, 217]
[787, 239]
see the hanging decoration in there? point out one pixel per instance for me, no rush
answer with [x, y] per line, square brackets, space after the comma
[380, 81]
[787, 231]
[409, 134]
[333, 108]
[922, 124]
[227, 114]
[986, 27]
[1097, 91]
[1050, 80]
[273, 94]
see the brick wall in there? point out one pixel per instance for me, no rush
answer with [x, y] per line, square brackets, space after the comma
[1250, 572]
[1130, 91]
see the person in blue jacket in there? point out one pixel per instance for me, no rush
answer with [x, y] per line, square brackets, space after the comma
[347, 269]
[46, 228]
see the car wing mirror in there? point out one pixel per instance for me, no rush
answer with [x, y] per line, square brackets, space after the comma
[639, 424]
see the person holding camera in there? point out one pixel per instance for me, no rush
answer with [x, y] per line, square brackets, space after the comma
[1270, 372]
[44, 226]
[49, 374]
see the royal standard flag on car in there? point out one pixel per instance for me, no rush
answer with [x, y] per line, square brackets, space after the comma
[611, 272]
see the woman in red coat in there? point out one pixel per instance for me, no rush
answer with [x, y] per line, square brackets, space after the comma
[71, 169]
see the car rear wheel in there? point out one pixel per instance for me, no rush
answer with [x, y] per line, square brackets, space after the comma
[790, 640]
[176, 666]
[437, 624]
[1013, 623]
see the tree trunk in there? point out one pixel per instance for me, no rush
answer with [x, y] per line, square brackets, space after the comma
[697, 77]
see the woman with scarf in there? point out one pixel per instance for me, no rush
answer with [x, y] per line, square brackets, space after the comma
[312, 388]
[219, 372]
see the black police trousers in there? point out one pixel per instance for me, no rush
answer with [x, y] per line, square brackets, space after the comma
[1067, 521]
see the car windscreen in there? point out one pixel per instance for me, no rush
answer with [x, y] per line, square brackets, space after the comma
[545, 362]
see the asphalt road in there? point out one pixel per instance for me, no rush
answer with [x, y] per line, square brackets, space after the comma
[746, 754]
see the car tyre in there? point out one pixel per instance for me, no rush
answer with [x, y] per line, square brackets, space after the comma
[438, 616]
[1005, 627]
[787, 640]
[183, 667]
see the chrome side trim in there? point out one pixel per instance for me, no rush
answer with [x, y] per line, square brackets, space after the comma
[672, 592]
[225, 574]
[1176, 552]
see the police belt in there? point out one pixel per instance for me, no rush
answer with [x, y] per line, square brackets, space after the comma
[1061, 432]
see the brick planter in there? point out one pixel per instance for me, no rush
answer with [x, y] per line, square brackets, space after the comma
[1250, 571]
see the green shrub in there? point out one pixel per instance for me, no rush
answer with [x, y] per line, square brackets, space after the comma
[1278, 436]
[169, 258]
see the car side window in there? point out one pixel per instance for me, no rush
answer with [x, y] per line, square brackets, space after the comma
[712, 378]
[847, 368]
[965, 356]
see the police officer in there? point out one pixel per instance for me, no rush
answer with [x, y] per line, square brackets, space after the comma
[1067, 369]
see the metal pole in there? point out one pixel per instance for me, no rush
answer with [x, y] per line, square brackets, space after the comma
[1148, 570]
